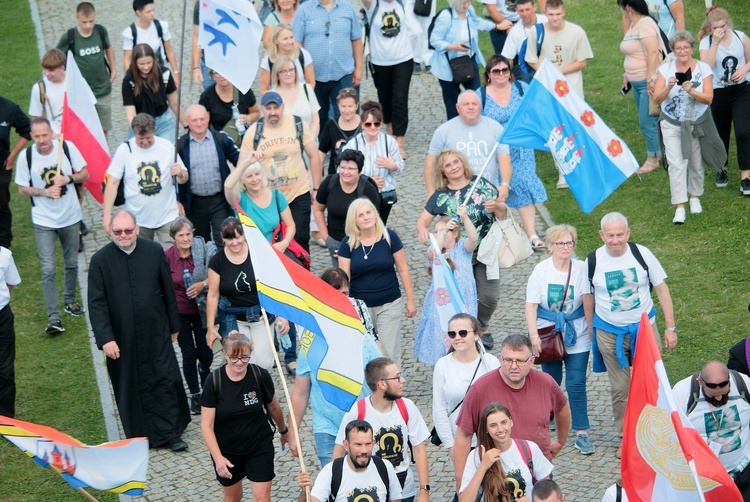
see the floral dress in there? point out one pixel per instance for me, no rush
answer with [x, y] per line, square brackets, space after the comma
[525, 186]
[446, 202]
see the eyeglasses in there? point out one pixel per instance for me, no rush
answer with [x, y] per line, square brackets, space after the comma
[372, 124]
[397, 377]
[126, 231]
[288, 71]
[517, 362]
[235, 360]
[499, 71]
[566, 244]
[719, 385]
[342, 168]
[463, 333]
[328, 28]
[683, 49]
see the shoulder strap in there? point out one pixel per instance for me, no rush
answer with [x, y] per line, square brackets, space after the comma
[299, 129]
[332, 182]
[383, 472]
[102, 34]
[694, 393]
[43, 96]
[159, 31]
[747, 351]
[519, 87]
[258, 133]
[539, 38]
[374, 11]
[402, 409]
[337, 470]
[523, 447]
[304, 87]
[254, 369]
[236, 96]
[361, 409]
[216, 378]
[618, 492]
[66, 151]
[28, 163]
[134, 32]
[361, 189]
[483, 95]
[592, 268]
[302, 64]
[639, 258]
[741, 386]
[71, 40]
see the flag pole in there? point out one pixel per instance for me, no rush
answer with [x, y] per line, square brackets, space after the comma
[79, 490]
[292, 417]
[479, 175]
[697, 480]
[60, 154]
[179, 92]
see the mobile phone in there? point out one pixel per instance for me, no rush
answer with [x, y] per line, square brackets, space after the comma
[626, 89]
[683, 77]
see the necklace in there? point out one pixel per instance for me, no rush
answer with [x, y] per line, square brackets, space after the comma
[365, 252]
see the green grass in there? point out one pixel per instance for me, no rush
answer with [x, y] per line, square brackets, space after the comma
[54, 376]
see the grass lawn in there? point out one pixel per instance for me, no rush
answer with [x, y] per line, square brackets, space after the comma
[54, 376]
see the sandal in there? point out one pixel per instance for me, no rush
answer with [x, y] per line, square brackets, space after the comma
[649, 166]
[536, 242]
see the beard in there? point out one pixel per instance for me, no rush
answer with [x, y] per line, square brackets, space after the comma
[360, 464]
[389, 396]
[717, 402]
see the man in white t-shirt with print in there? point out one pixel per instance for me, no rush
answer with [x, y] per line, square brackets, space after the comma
[396, 421]
[721, 415]
[361, 474]
[621, 288]
[55, 213]
[48, 94]
[526, 10]
[146, 165]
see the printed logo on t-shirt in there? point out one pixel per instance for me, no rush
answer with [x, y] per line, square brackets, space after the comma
[250, 398]
[47, 174]
[369, 494]
[281, 172]
[391, 24]
[88, 51]
[149, 178]
[510, 5]
[516, 484]
[723, 427]
[242, 285]
[475, 151]
[555, 294]
[390, 440]
[622, 286]
[730, 65]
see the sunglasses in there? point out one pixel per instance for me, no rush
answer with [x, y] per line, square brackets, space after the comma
[499, 71]
[373, 124]
[463, 333]
[716, 385]
[126, 231]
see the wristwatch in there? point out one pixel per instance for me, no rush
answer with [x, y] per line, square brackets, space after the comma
[673, 328]
[424, 487]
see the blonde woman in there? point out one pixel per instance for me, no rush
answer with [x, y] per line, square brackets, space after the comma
[282, 44]
[373, 257]
[299, 97]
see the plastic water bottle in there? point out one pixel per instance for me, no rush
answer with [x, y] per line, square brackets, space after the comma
[187, 278]
[237, 122]
[286, 342]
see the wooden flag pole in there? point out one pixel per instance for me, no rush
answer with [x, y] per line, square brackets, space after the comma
[79, 490]
[60, 154]
[292, 418]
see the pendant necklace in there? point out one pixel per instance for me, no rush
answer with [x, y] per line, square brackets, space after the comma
[365, 252]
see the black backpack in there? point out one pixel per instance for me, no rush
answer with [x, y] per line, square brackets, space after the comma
[102, 35]
[432, 26]
[636, 254]
[338, 470]
[159, 32]
[66, 151]
[695, 390]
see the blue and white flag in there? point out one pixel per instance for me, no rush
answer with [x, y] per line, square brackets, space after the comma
[230, 34]
[554, 118]
[447, 294]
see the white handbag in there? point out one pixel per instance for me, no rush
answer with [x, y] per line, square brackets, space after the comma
[515, 246]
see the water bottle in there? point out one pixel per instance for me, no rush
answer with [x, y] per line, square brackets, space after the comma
[286, 342]
[187, 278]
[237, 122]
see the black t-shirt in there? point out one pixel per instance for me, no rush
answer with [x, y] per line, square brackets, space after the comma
[330, 136]
[241, 426]
[11, 116]
[221, 111]
[337, 202]
[236, 282]
[153, 102]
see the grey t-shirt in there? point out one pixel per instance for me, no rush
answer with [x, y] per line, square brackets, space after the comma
[475, 142]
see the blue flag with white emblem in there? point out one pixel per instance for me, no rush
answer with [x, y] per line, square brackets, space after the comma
[554, 118]
[229, 34]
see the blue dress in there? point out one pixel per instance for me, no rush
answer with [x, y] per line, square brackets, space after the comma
[525, 186]
[431, 343]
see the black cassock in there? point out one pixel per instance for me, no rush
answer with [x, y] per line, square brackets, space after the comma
[131, 301]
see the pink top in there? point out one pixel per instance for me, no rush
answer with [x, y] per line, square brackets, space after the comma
[636, 59]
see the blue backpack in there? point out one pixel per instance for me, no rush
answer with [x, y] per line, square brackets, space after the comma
[528, 70]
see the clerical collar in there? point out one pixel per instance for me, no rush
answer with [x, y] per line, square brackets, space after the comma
[128, 252]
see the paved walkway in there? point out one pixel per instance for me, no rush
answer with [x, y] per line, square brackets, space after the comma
[188, 476]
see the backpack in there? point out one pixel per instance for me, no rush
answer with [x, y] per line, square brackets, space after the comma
[528, 70]
[400, 404]
[695, 390]
[432, 26]
[297, 127]
[66, 151]
[216, 378]
[102, 34]
[363, 178]
[43, 96]
[159, 32]
[338, 470]
[636, 254]
[483, 92]
[120, 197]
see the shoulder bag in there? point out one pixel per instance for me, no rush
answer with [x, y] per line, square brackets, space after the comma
[434, 436]
[553, 345]
[515, 246]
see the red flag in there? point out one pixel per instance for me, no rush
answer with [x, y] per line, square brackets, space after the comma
[663, 456]
[81, 126]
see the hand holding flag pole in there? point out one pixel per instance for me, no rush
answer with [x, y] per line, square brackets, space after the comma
[480, 173]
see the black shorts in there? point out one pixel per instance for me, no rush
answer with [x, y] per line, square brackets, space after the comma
[256, 467]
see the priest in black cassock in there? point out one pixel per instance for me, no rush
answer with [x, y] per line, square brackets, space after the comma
[133, 312]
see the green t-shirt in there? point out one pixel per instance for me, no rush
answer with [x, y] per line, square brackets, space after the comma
[90, 57]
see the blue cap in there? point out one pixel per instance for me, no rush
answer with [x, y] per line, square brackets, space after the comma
[271, 97]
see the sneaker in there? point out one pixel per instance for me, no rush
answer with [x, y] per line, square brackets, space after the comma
[177, 444]
[561, 183]
[54, 327]
[487, 341]
[679, 216]
[583, 444]
[417, 68]
[74, 309]
[195, 404]
[695, 205]
[84, 229]
[722, 179]
[745, 186]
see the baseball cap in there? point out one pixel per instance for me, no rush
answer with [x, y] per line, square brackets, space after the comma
[271, 97]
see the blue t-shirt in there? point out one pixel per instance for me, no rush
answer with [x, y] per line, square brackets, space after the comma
[373, 279]
[267, 218]
[326, 417]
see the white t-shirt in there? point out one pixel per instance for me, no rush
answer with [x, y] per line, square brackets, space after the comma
[546, 287]
[621, 289]
[8, 276]
[389, 36]
[679, 105]
[728, 59]
[55, 98]
[149, 190]
[393, 433]
[506, 7]
[450, 382]
[365, 485]
[517, 35]
[729, 425]
[514, 465]
[264, 65]
[51, 213]
[611, 495]
[148, 36]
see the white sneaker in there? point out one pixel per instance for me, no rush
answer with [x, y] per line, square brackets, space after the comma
[561, 183]
[695, 205]
[679, 216]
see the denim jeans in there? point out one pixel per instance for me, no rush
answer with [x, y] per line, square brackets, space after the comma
[575, 384]
[46, 246]
[208, 80]
[324, 444]
[451, 91]
[498, 38]
[165, 126]
[648, 123]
